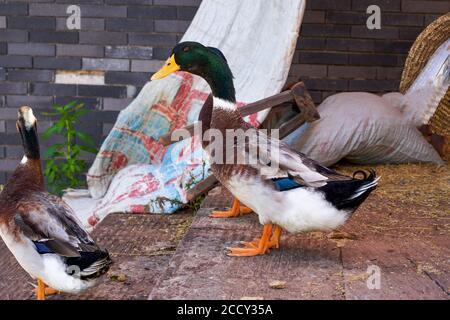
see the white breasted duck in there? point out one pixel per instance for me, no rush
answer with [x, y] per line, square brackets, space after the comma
[41, 230]
[300, 195]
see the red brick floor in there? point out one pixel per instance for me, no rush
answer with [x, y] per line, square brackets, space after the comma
[402, 230]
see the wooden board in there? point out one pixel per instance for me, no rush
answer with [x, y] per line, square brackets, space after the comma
[298, 95]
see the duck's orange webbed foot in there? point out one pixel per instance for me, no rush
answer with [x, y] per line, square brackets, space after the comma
[259, 246]
[50, 291]
[235, 211]
[42, 290]
[274, 241]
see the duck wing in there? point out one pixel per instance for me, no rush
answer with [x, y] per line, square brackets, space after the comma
[276, 160]
[288, 169]
[53, 228]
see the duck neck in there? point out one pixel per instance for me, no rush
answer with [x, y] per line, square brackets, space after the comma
[29, 171]
[218, 75]
[220, 79]
[222, 88]
[30, 142]
[205, 114]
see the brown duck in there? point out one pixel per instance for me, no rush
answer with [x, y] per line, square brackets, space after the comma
[41, 230]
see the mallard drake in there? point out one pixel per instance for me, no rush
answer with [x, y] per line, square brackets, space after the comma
[300, 195]
[41, 230]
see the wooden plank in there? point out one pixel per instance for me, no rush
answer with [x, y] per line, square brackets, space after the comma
[166, 139]
[298, 94]
[266, 103]
[245, 111]
[304, 102]
[291, 125]
[202, 187]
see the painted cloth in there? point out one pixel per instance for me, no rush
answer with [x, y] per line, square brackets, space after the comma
[133, 172]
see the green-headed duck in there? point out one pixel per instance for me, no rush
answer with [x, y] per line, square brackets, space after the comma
[288, 191]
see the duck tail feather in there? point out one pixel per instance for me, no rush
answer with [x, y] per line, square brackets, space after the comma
[369, 182]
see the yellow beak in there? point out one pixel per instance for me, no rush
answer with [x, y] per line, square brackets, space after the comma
[170, 67]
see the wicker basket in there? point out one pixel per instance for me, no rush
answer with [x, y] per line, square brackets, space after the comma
[423, 48]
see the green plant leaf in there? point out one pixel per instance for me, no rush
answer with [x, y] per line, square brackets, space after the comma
[56, 128]
[79, 106]
[53, 149]
[89, 149]
[69, 105]
[49, 114]
[84, 137]
[58, 108]
[63, 166]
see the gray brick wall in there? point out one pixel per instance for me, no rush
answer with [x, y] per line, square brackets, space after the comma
[336, 52]
[126, 40]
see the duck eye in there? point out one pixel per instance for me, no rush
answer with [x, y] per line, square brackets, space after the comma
[186, 49]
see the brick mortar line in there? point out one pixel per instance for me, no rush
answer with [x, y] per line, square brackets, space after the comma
[343, 294]
[435, 281]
